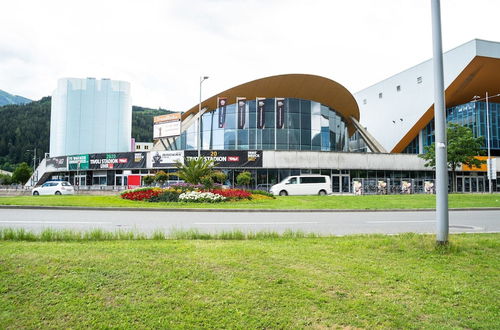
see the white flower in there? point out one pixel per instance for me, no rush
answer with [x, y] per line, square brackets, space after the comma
[196, 196]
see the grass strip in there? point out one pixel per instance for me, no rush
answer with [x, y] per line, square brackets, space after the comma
[372, 281]
[97, 234]
[368, 202]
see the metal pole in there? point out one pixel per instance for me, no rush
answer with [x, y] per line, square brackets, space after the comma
[198, 121]
[442, 220]
[488, 167]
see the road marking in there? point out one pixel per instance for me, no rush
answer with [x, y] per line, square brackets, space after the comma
[401, 221]
[61, 222]
[255, 223]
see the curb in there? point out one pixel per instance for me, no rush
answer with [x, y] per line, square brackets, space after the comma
[80, 208]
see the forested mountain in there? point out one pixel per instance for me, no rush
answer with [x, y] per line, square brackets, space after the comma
[6, 98]
[25, 127]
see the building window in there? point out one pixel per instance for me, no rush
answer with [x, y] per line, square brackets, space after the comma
[146, 147]
[137, 147]
[380, 95]
[398, 88]
[419, 80]
[364, 101]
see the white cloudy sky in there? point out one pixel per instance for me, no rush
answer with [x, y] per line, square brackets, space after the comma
[162, 47]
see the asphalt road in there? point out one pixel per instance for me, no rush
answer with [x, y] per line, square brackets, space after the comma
[325, 223]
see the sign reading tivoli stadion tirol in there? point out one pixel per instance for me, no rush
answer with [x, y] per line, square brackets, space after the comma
[78, 162]
[56, 164]
[229, 158]
[118, 160]
[165, 158]
[167, 125]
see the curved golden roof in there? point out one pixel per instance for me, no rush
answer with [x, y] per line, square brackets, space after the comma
[479, 76]
[301, 86]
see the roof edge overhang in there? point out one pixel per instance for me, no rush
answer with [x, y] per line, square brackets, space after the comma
[301, 86]
[477, 78]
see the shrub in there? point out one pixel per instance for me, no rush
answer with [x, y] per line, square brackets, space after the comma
[148, 180]
[201, 197]
[167, 195]
[161, 177]
[244, 178]
[261, 192]
[232, 194]
[140, 194]
[184, 186]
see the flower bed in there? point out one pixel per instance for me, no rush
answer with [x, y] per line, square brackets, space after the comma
[141, 194]
[187, 193]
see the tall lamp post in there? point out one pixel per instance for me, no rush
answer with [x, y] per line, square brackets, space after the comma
[198, 122]
[442, 216]
[489, 167]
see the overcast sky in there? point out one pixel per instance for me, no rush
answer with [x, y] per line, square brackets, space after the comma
[162, 47]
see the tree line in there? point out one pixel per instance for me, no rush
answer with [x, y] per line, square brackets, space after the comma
[26, 127]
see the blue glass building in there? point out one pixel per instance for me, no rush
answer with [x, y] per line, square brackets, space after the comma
[308, 125]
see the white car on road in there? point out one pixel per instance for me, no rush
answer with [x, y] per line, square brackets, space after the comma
[308, 184]
[54, 188]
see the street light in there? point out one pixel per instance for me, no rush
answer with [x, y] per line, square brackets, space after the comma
[488, 161]
[198, 131]
[34, 165]
[442, 216]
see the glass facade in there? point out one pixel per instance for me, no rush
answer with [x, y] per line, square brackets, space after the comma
[308, 125]
[472, 115]
[90, 116]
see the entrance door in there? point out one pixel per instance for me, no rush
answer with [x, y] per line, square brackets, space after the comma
[336, 184]
[340, 184]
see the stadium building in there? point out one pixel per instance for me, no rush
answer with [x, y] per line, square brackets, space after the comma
[296, 123]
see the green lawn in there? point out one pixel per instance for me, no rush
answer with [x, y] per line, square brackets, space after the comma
[359, 281]
[290, 202]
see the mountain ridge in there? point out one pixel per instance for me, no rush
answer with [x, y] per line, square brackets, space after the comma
[7, 99]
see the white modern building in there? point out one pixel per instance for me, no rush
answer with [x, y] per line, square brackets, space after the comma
[397, 110]
[90, 116]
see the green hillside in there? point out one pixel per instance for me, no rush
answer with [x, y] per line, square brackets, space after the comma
[25, 127]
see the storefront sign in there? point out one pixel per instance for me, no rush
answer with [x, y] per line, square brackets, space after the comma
[78, 162]
[170, 117]
[56, 164]
[167, 125]
[118, 160]
[229, 158]
[165, 158]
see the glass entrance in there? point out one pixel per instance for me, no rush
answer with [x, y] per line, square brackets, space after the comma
[340, 184]
[471, 184]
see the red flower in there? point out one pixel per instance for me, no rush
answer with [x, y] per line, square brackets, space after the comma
[234, 194]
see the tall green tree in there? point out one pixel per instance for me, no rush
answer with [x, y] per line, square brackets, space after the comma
[22, 173]
[463, 148]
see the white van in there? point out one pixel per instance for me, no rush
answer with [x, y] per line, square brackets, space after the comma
[303, 185]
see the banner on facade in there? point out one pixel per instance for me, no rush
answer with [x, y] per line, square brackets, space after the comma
[242, 109]
[117, 160]
[78, 162]
[229, 158]
[56, 164]
[221, 104]
[165, 158]
[261, 112]
[280, 112]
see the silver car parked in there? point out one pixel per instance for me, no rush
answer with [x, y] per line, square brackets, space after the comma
[54, 188]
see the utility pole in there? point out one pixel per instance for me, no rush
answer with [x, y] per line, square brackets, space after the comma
[442, 220]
